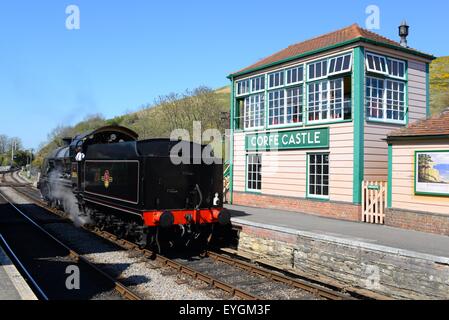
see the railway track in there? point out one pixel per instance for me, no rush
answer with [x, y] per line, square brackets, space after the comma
[233, 275]
[46, 262]
[14, 183]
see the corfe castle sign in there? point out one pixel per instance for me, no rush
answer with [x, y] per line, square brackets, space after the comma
[285, 140]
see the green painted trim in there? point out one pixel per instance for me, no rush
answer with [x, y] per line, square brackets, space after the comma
[428, 112]
[399, 48]
[231, 144]
[246, 172]
[400, 124]
[302, 55]
[226, 172]
[380, 76]
[305, 100]
[358, 111]
[406, 109]
[390, 177]
[338, 45]
[278, 143]
[430, 194]
[311, 124]
[412, 138]
[249, 130]
[285, 126]
[420, 193]
[307, 175]
[266, 107]
[317, 199]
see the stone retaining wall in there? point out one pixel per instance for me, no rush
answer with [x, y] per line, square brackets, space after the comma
[386, 271]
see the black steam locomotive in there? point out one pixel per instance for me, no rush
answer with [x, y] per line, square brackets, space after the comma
[137, 189]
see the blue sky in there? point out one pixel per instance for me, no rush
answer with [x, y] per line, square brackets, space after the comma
[129, 52]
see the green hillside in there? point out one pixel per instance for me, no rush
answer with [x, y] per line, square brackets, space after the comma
[439, 84]
[206, 105]
[157, 120]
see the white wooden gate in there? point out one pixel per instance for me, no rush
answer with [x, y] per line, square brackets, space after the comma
[374, 201]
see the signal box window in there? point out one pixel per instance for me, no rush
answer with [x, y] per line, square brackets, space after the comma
[254, 172]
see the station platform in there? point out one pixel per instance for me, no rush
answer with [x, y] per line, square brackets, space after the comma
[407, 264]
[12, 285]
[364, 234]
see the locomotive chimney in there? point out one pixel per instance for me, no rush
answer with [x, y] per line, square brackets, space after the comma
[403, 33]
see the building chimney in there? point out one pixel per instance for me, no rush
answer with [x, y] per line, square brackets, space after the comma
[403, 33]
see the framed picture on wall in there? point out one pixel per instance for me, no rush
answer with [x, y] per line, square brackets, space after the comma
[432, 173]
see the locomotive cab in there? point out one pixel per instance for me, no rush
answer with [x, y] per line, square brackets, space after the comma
[80, 144]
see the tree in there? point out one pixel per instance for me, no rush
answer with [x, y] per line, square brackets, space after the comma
[156, 120]
[15, 143]
[21, 158]
[3, 143]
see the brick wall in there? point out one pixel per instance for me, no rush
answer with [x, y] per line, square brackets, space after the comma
[337, 210]
[418, 220]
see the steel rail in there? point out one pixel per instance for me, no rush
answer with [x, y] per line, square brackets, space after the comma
[149, 254]
[235, 291]
[297, 283]
[17, 181]
[22, 268]
[236, 262]
[119, 287]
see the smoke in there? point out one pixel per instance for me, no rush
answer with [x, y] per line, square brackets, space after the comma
[60, 191]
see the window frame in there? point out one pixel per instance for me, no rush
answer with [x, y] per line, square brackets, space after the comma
[404, 63]
[369, 69]
[308, 162]
[384, 109]
[320, 93]
[237, 94]
[333, 101]
[300, 86]
[258, 172]
[261, 118]
[405, 111]
[285, 107]
[328, 93]
[330, 74]
[382, 99]
[314, 63]
[262, 81]
[301, 66]
[281, 72]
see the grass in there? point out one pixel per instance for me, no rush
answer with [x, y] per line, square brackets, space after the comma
[157, 120]
[151, 121]
[439, 85]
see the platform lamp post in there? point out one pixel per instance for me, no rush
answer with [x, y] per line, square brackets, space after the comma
[225, 120]
[225, 117]
[12, 152]
[13, 144]
[31, 160]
